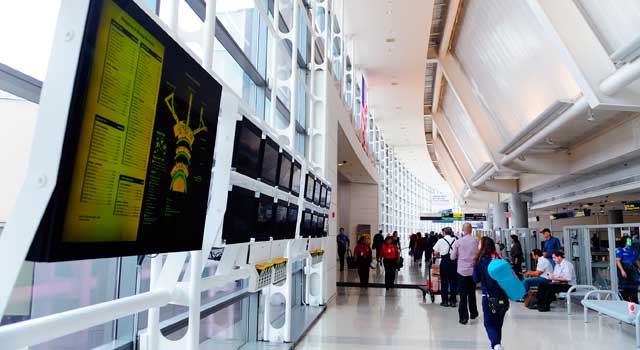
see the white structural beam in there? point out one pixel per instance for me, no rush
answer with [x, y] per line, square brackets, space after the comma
[458, 153]
[583, 53]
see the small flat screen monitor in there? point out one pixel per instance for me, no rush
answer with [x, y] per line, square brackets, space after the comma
[310, 182]
[269, 162]
[295, 178]
[315, 225]
[307, 221]
[292, 220]
[316, 192]
[325, 229]
[240, 217]
[264, 219]
[281, 228]
[328, 197]
[246, 152]
[323, 195]
[284, 173]
[137, 152]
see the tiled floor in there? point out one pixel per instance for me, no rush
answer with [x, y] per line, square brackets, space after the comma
[374, 319]
[400, 319]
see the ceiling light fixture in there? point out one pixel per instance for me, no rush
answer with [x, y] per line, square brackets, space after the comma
[549, 141]
[390, 40]
[394, 83]
[591, 117]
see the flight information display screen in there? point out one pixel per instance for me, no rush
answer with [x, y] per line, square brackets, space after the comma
[138, 148]
[292, 220]
[246, 152]
[264, 219]
[316, 192]
[307, 220]
[310, 182]
[281, 227]
[284, 174]
[295, 178]
[240, 223]
[270, 155]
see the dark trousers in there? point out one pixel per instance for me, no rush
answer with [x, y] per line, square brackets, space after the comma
[468, 306]
[517, 268]
[389, 273]
[492, 323]
[363, 272]
[379, 254]
[547, 293]
[341, 253]
[449, 276]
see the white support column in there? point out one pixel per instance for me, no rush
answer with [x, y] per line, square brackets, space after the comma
[273, 62]
[293, 81]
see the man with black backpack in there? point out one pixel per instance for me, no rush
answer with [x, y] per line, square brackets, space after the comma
[448, 267]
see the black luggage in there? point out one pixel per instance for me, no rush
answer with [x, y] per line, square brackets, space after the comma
[351, 261]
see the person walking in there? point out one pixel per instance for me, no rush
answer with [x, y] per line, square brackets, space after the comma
[495, 302]
[396, 240]
[391, 257]
[429, 243]
[464, 252]
[550, 245]
[378, 241]
[417, 248]
[363, 256]
[517, 256]
[448, 273]
[343, 246]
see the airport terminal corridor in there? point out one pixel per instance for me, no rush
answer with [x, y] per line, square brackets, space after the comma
[319, 174]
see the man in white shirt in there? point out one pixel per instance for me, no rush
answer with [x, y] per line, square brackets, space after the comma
[448, 267]
[540, 274]
[560, 281]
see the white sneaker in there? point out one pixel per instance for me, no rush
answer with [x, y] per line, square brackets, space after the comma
[498, 347]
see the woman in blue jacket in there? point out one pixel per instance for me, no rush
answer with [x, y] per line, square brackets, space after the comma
[495, 302]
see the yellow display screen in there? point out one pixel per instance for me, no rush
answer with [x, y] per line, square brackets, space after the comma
[138, 152]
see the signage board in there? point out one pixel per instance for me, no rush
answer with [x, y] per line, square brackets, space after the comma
[135, 172]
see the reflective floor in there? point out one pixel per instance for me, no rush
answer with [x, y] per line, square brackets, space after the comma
[371, 319]
[412, 273]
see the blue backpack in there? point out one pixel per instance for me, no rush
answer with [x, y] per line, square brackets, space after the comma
[501, 272]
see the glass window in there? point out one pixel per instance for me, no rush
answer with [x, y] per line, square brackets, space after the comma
[243, 22]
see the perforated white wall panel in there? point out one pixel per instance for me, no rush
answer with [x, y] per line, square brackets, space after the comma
[516, 71]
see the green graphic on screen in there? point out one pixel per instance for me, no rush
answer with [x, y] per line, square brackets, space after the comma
[185, 136]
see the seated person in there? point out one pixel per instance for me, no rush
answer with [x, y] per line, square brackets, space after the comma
[540, 274]
[560, 281]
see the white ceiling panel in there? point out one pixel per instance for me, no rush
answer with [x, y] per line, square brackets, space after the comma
[515, 69]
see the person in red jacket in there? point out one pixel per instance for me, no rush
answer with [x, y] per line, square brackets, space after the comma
[363, 255]
[390, 256]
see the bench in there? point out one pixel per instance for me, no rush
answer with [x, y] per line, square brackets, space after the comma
[579, 290]
[616, 309]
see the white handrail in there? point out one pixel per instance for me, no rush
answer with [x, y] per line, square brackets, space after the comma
[43, 329]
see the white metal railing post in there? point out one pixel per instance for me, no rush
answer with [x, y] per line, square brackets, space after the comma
[153, 316]
[273, 60]
[208, 35]
[294, 34]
